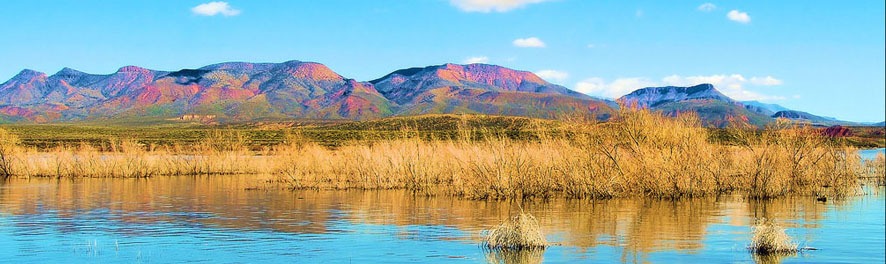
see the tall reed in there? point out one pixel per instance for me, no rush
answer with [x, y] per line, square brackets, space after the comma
[8, 151]
[129, 159]
[793, 159]
[876, 169]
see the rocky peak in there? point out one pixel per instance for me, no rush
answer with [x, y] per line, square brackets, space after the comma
[492, 75]
[792, 114]
[27, 75]
[68, 73]
[311, 70]
[26, 79]
[133, 69]
[239, 66]
[653, 96]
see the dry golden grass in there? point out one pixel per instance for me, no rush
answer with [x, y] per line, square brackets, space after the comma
[876, 170]
[8, 150]
[639, 153]
[521, 232]
[789, 159]
[771, 239]
[128, 159]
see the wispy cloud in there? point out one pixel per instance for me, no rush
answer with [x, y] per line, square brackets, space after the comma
[766, 81]
[531, 42]
[486, 6]
[552, 75]
[478, 59]
[738, 16]
[614, 89]
[733, 85]
[707, 7]
[591, 46]
[215, 8]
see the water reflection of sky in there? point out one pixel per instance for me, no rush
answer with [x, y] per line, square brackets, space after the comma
[871, 153]
[215, 219]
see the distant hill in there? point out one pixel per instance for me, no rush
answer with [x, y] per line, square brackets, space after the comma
[716, 109]
[763, 108]
[713, 107]
[482, 89]
[240, 91]
[275, 92]
[813, 119]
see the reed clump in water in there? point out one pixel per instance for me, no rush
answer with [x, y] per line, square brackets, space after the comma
[770, 239]
[521, 232]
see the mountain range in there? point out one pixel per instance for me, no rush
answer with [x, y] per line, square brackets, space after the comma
[241, 91]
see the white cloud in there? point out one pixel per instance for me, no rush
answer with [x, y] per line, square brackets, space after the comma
[552, 75]
[707, 7]
[621, 86]
[532, 42]
[215, 8]
[478, 59]
[486, 6]
[731, 85]
[766, 81]
[718, 80]
[738, 16]
[591, 46]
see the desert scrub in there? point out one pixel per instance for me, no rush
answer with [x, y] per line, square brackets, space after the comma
[638, 153]
[8, 151]
[876, 170]
[521, 232]
[793, 159]
[769, 238]
[131, 159]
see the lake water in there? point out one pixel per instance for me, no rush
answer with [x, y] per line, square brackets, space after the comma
[871, 153]
[216, 219]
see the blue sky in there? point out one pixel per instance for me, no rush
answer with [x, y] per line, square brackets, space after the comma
[824, 57]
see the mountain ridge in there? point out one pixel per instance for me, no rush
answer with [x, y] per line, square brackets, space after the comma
[242, 91]
[716, 109]
[291, 89]
[713, 107]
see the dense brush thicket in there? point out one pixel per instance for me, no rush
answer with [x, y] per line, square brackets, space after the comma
[639, 153]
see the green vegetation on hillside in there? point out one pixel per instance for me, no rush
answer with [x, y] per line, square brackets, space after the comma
[258, 135]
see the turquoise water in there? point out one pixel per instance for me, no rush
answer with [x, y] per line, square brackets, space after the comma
[871, 153]
[223, 219]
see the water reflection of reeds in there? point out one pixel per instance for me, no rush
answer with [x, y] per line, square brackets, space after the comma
[509, 256]
[637, 226]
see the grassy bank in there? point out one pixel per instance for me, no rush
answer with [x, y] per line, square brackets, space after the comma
[640, 153]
